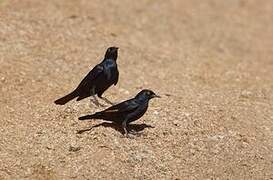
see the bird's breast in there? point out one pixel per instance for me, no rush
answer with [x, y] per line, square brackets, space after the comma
[139, 112]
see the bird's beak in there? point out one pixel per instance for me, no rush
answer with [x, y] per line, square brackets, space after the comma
[156, 96]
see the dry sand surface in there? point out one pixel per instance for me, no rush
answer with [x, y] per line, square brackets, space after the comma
[211, 61]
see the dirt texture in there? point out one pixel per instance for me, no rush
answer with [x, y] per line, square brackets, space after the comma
[211, 61]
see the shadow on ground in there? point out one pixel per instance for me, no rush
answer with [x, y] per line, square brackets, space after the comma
[137, 128]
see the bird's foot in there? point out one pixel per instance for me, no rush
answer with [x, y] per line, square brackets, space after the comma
[96, 102]
[114, 103]
[101, 105]
[136, 133]
[132, 134]
[129, 136]
[107, 101]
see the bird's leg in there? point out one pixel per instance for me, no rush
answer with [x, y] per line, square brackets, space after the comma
[96, 101]
[124, 126]
[107, 101]
[126, 133]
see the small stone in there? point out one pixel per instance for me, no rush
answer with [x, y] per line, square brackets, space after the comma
[74, 149]
[113, 34]
[73, 16]
[246, 94]
[176, 123]
[49, 148]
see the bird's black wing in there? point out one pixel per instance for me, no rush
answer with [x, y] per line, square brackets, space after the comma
[116, 80]
[93, 74]
[126, 106]
[115, 113]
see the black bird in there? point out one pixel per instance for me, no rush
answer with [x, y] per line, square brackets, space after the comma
[126, 111]
[98, 80]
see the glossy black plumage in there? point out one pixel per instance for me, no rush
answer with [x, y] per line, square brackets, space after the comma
[98, 80]
[126, 111]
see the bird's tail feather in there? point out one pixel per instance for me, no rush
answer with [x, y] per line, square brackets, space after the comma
[92, 116]
[66, 98]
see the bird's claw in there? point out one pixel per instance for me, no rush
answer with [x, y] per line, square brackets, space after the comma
[97, 104]
[107, 101]
[101, 105]
[129, 136]
[133, 132]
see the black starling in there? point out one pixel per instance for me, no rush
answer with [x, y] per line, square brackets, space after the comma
[98, 80]
[127, 111]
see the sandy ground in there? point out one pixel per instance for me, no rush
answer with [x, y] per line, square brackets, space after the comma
[211, 61]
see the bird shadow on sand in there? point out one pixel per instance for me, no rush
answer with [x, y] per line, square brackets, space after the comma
[136, 128]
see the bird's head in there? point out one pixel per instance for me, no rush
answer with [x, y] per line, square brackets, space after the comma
[112, 53]
[147, 94]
